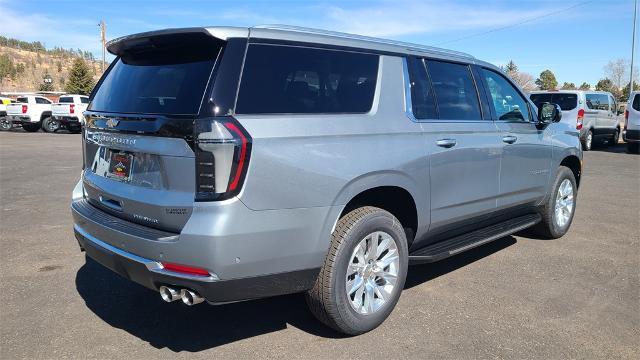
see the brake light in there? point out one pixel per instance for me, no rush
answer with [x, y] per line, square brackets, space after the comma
[222, 150]
[183, 269]
[626, 118]
[72, 108]
[24, 109]
[580, 119]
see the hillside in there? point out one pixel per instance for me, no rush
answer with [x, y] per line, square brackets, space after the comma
[24, 65]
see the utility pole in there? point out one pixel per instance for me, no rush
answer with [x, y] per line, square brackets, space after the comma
[633, 44]
[103, 40]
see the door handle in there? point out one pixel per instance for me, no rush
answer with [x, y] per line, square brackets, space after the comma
[509, 139]
[446, 143]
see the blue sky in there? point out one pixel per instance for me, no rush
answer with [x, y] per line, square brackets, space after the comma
[575, 44]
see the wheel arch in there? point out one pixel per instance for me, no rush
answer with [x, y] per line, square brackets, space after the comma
[575, 165]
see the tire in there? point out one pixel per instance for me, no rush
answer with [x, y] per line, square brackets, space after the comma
[587, 142]
[329, 300]
[615, 138]
[551, 226]
[50, 124]
[5, 125]
[633, 148]
[31, 127]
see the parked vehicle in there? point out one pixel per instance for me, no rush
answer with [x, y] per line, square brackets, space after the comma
[4, 123]
[594, 113]
[67, 114]
[30, 112]
[631, 134]
[310, 161]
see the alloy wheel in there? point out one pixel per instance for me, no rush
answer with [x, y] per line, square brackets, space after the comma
[564, 203]
[372, 272]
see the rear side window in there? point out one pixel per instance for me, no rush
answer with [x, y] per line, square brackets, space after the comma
[84, 100]
[455, 91]
[66, 99]
[298, 80]
[42, 101]
[566, 101]
[422, 101]
[636, 102]
[22, 100]
[163, 75]
[597, 101]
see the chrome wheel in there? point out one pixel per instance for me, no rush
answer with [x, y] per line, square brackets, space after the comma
[372, 272]
[588, 141]
[564, 203]
[52, 125]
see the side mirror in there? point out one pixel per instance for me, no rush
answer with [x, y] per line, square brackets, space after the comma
[548, 113]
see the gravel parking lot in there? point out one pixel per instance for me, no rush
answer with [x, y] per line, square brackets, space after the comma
[576, 297]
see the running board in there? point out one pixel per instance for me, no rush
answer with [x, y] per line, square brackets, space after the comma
[444, 249]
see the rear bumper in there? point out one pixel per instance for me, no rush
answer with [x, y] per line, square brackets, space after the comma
[19, 119]
[68, 120]
[631, 135]
[150, 274]
[249, 254]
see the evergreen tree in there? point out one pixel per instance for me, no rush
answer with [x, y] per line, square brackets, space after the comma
[547, 80]
[568, 86]
[46, 87]
[80, 80]
[585, 86]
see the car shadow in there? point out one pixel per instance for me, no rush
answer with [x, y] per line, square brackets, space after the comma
[617, 148]
[421, 273]
[140, 311]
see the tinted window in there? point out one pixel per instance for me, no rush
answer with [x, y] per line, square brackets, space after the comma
[597, 101]
[42, 101]
[66, 99]
[285, 79]
[565, 100]
[84, 100]
[455, 91]
[636, 102]
[507, 102]
[167, 78]
[422, 101]
[22, 100]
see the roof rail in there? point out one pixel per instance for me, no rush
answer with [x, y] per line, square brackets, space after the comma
[409, 46]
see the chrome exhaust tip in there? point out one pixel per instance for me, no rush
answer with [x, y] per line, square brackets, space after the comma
[169, 294]
[190, 297]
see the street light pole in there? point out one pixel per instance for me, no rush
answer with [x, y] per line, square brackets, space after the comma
[633, 44]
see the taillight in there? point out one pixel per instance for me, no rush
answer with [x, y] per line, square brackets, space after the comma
[626, 118]
[580, 119]
[72, 108]
[222, 150]
[24, 109]
[185, 269]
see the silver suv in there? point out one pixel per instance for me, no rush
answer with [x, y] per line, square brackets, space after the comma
[225, 164]
[593, 113]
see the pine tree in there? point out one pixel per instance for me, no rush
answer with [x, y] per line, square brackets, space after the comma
[547, 80]
[80, 80]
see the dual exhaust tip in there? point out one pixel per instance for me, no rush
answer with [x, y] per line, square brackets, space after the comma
[189, 297]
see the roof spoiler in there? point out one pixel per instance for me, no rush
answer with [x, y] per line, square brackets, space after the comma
[146, 39]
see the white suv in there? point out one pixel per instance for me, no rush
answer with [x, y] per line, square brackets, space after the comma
[631, 134]
[30, 111]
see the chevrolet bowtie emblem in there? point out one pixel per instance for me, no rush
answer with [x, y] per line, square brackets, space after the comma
[112, 123]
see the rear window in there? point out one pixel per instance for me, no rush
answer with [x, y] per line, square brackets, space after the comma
[22, 100]
[636, 102]
[64, 100]
[160, 75]
[566, 101]
[297, 80]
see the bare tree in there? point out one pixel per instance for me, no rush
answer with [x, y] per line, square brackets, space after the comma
[524, 80]
[618, 72]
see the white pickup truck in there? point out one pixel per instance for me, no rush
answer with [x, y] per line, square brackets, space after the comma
[67, 113]
[29, 111]
[4, 124]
